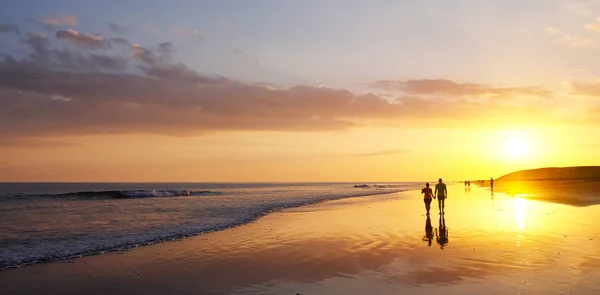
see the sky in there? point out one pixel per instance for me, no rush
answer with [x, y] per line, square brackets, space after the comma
[296, 91]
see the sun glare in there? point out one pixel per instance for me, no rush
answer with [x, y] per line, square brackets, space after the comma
[516, 147]
[520, 205]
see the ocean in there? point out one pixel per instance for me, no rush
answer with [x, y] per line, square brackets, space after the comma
[52, 221]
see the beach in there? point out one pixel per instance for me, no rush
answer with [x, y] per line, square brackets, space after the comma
[496, 244]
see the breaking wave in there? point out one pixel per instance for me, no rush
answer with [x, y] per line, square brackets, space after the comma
[118, 194]
[48, 227]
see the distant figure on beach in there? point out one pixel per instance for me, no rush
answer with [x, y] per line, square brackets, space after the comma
[492, 183]
[469, 183]
[428, 231]
[427, 195]
[442, 239]
[441, 193]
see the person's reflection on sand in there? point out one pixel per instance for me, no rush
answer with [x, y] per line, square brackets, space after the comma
[442, 239]
[492, 194]
[428, 231]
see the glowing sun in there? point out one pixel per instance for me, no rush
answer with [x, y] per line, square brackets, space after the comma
[516, 147]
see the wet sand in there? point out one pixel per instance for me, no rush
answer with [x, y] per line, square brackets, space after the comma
[576, 192]
[496, 244]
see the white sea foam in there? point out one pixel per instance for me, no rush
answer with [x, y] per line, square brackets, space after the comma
[47, 227]
[164, 193]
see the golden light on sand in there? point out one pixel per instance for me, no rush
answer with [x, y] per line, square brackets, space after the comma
[519, 208]
[516, 147]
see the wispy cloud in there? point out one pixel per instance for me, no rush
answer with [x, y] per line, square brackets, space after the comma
[81, 39]
[43, 55]
[594, 25]
[149, 28]
[583, 7]
[188, 32]
[578, 41]
[116, 27]
[89, 41]
[553, 31]
[452, 88]
[62, 20]
[569, 40]
[383, 153]
[40, 43]
[589, 87]
[170, 98]
[58, 91]
[40, 142]
[54, 21]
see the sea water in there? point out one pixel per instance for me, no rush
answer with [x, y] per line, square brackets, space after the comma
[52, 221]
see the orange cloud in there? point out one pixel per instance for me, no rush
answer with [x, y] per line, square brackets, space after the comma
[174, 100]
[384, 153]
[74, 91]
[586, 88]
[80, 39]
[61, 20]
[451, 88]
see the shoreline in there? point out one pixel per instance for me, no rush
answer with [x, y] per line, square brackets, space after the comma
[178, 237]
[495, 244]
[581, 192]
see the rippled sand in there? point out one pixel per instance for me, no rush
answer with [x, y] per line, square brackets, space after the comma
[495, 244]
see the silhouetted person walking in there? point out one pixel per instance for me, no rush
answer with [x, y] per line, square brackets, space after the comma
[492, 183]
[441, 193]
[427, 195]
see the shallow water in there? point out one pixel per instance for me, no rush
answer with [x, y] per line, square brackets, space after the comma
[53, 221]
[368, 245]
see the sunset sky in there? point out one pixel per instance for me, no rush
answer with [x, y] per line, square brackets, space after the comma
[284, 91]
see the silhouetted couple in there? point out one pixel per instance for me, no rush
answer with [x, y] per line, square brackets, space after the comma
[441, 193]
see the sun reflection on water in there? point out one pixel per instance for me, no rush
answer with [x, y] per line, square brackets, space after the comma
[519, 209]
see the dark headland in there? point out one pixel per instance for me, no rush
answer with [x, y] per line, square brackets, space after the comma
[554, 173]
[578, 186]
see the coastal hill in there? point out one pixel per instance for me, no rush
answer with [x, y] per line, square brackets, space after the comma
[580, 172]
[577, 186]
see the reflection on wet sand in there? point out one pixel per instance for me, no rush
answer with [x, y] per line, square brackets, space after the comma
[428, 231]
[373, 242]
[577, 192]
[440, 232]
[442, 238]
